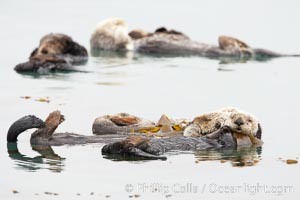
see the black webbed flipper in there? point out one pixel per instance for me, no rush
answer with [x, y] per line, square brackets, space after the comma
[23, 124]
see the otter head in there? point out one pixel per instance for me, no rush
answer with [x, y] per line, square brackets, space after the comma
[245, 123]
[58, 44]
[111, 34]
[245, 128]
[53, 44]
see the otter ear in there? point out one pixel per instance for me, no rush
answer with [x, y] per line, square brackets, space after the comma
[23, 124]
[259, 132]
[69, 47]
[34, 52]
[75, 49]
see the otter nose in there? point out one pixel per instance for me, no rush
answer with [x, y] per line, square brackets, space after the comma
[239, 122]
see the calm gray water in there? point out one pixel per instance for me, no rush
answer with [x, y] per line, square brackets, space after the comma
[148, 87]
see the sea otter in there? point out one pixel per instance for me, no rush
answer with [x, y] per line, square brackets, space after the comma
[136, 144]
[238, 121]
[55, 52]
[112, 34]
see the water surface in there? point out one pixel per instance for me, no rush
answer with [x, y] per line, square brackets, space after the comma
[181, 87]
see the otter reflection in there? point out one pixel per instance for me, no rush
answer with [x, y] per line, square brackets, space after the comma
[240, 157]
[125, 57]
[47, 159]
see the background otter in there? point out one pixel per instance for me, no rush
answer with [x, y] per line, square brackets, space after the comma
[112, 34]
[55, 52]
[57, 43]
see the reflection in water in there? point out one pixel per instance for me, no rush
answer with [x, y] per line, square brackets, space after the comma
[47, 157]
[111, 83]
[48, 75]
[239, 60]
[119, 157]
[225, 68]
[113, 58]
[240, 157]
[56, 74]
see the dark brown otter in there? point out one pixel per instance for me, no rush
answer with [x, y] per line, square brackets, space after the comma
[138, 34]
[55, 52]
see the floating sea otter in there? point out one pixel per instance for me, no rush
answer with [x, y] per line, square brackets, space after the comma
[112, 34]
[125, 134]
[55, 52]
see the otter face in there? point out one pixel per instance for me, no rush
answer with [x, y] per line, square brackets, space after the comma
[237, 121]
[50, 47]
[58, 44]
[244, 123]
[54, 44]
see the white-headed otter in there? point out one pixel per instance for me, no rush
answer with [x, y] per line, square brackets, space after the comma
[238, 121]
[112, 34]
[55, 52]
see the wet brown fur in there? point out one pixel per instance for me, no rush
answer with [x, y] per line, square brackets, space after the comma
[47, 58]
[226, 42]
[138, 34]
[51, 123]
[56, 43]
[124, 120]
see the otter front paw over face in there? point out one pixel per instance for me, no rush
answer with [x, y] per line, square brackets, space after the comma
[245, 127]
[244, 123]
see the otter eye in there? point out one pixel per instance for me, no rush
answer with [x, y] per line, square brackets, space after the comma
[44, 51]
[249, 120]
[218, 125]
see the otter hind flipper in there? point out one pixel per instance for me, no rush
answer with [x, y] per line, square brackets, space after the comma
[23, 124]
[53, 120]
[229, 43]
[161, 30]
